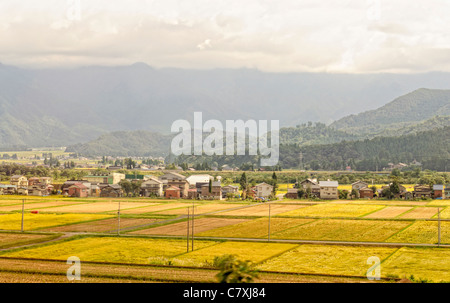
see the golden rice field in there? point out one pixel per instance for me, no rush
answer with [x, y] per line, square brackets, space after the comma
[334, 210]
[17, 239]
[389, 212]
[420, 213]
[39, 221]
[425, 232]
[339, 260]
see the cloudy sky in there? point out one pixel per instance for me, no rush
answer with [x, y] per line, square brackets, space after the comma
[354, 36]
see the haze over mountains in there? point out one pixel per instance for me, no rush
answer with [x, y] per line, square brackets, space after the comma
[61, 107]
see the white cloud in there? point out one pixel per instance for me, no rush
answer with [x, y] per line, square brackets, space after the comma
[285, 35]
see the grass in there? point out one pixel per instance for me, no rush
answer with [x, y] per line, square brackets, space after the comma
[425, 232]
[423, 263]
[337, 260]
[257, 228]
[334, 210]
[38, 221]
[343, 230]
[110, 249]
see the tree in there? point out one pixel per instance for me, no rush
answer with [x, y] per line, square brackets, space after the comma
[136, 187]
[126, 186]
[244, 185]
[233, 270]
[210, 185]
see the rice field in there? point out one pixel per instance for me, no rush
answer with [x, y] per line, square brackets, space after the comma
[343, 230]
[334, 210]
[16, 239]
[257, 228]
[337, 260]
[420, 213]
[263, 210]
[95, 207]
[389, 212]
[39, 221]
[425, 232]
[180, 229]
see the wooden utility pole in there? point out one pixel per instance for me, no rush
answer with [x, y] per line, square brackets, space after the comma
[187, 237]
[192, 242]
[268, 235]
[439, 227]
[118, 220]
[23, 210]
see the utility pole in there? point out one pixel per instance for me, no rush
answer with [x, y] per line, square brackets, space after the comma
[23, 209]
[192, 242]
[268, 235]
[187, 237]
[118, 220]
[439, 227]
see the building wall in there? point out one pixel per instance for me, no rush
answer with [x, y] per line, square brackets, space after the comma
[329, 193]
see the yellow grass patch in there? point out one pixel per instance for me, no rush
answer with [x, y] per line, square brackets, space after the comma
[200, 225]
[389, 212]
[109, 249]
[262, 210]
[423, 232]
[343, 230]
[200, 209]
[95, 207]
[257, 228]
[337, 260]
[334, 210]
[37, 205]
[36, 221]
[102, 225]
[420, 213]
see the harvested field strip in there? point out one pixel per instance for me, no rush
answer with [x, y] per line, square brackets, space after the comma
[37, 205]
[200, 209]
[200, 225]
[96, 207]
[424, 263]
[338, 260]
[255, 252]
[334, 210]
[15, 239]
[420, 213]
[29, 270]
[262, 210]
[444, 213]
[445, 202]
[109, 249]
[157, 208]
[37, 221]
[343, 230]
[389, 212]
[423, 232]
[257, 228]
[105, 225]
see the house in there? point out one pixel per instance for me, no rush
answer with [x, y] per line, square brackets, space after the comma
[447, 191]
[7, 189]
[183, 185]
[19, 181]
[172, 176]
[365, 193]
[173, 192]
[214, 194]
[78, 190]
[22, 191]
[438, 191]
[110, 190]
[230, 189]
[358, 185]
[328, 189]
[312, 186]
[152, 187]
[69, 183]
[292, 193]
[263, 190]
[194, 179]
[111, 178]
[422, 191]
[95, 190]
[192, 193]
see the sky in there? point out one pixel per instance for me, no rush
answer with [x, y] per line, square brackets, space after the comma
[343, 36]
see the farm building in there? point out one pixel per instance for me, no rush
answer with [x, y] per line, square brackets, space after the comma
[311, 186]
[328, 189]
[438, 191]
[229, 189]
[111, 178]
[447, 191]
[95, 191]
[173, 192]
[78, 190]
[292, 193]
[172, 176]
[366, 193]
[152, 187]
[111, 190]
[194, 179]
[192, 193]
[214, 194]
[422, 191]
[263, 190]
[7, 189]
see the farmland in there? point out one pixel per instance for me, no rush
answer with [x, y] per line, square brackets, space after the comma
[153, 233]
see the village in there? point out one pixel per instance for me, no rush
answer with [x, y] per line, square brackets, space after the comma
[173, 185]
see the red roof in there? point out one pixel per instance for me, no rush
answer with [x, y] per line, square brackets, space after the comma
[79, 185]
[172, 188]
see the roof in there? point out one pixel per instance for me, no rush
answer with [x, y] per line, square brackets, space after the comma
[16, 176]
[438, 187]
[264, 183]
[173, 188]
[198, 179]
[174, 174]
[152, 179]
[79, 185]
[365, 189]
[328, 183]
[314, 181]
[359, 181]
[215, 183]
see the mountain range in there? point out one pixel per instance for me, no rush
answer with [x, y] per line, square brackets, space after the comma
[62, 107]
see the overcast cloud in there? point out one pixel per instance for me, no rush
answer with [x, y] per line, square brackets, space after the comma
[286, 35]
